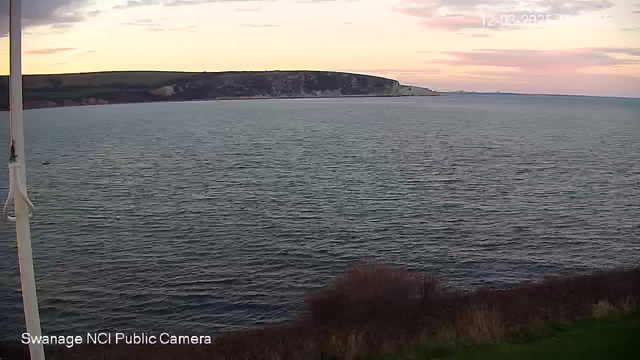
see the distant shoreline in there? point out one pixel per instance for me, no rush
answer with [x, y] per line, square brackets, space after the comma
[440, 94]
[445, 93]
[229, 99]
[47, 91]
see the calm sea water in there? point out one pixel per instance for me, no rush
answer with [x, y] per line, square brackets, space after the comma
[230, 210]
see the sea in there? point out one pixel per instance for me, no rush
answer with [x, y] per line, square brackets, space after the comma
[198, 217]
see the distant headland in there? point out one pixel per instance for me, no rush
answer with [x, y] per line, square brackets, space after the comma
[42, 91]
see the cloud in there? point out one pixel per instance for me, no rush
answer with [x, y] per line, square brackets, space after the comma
[616, 50]
[44, 12]
[455, 15]
[61, 26]
[260, 25]
[135, 3]
[574, 7]
[142, 22]
[542, 60]
[48, 51]
[454, 23]
[420, 9]
[70, 12]
[184, 2]
[179, 28]
[155, 26]
[319, 1]
[168, 3]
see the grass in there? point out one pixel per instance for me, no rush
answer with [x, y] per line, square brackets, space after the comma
[376, 309]
[594, 339]
[96, 79]
[77, 93]
[613, 337]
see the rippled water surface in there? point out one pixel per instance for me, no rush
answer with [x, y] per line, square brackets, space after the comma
[230, 210]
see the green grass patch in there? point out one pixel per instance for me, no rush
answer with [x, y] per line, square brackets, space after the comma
[108, 78]
[75, 94]
[612, 338]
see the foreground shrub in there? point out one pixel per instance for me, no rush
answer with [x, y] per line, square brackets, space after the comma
[370, 291]
[603, 309]
[480, 326]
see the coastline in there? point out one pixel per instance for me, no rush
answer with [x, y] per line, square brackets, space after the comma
[234, 98]
[101, 88]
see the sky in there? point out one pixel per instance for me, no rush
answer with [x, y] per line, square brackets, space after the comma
[586, 47]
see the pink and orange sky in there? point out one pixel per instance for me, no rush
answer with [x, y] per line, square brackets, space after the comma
[440, 44]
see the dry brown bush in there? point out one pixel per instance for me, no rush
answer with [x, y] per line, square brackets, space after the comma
[370, 291]
[480, 326]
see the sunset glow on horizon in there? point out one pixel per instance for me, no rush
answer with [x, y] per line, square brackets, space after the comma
[586, 47]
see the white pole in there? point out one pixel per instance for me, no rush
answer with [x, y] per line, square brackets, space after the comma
[23, 231]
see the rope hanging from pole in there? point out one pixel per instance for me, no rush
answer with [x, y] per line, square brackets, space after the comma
[15, 188]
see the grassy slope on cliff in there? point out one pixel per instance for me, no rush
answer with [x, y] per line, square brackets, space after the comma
[136, 86]
[377, 309]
